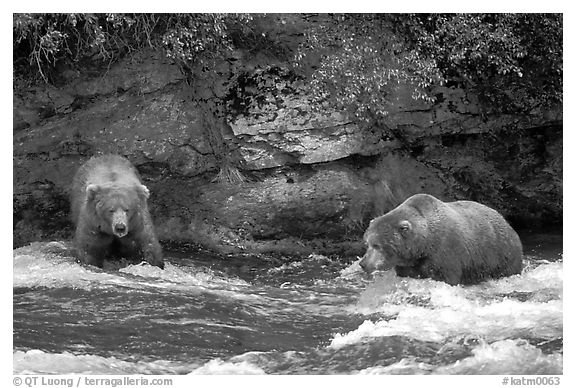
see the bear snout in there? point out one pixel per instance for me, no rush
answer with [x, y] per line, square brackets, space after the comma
[372, 261]
[120, 223]
[120, 229]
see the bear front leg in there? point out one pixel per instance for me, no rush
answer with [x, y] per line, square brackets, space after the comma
[91, 247]
[153, 252]
[448, 271]
[150, 246]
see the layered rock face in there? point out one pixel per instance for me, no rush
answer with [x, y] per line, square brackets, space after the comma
[309, 180]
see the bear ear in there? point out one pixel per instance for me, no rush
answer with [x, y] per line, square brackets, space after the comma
[91, 191]
[424, 203]
[144, 191]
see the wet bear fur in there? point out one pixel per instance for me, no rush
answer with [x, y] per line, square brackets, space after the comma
[461, 242]
[110, 213]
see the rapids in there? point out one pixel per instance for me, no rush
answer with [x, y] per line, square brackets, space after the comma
[205, 314]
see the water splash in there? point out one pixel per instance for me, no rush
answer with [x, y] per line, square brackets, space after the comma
[428, 310]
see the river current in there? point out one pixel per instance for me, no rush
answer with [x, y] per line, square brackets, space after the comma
[205, 314]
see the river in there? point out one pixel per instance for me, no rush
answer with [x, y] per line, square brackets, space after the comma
[206, 314]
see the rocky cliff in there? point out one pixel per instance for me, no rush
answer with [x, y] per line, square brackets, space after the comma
[309, 181]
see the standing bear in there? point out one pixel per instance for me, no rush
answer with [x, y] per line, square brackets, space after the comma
[110, 212]
[461, 242]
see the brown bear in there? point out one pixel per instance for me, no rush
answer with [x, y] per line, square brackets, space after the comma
[110, 212]
[461, 242]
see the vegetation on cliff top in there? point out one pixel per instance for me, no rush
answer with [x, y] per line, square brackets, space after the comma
[513, 61]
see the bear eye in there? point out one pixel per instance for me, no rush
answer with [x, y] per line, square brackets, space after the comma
[376, 246]
[404, 225]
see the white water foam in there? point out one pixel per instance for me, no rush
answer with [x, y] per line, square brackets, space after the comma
[50, 265]
[220, 367]
[39, 362]
[428, 310]
[516, 357]
[40, 265]
[185, 276]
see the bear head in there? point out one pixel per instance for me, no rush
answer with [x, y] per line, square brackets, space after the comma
[398, 238]
[117, 206]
